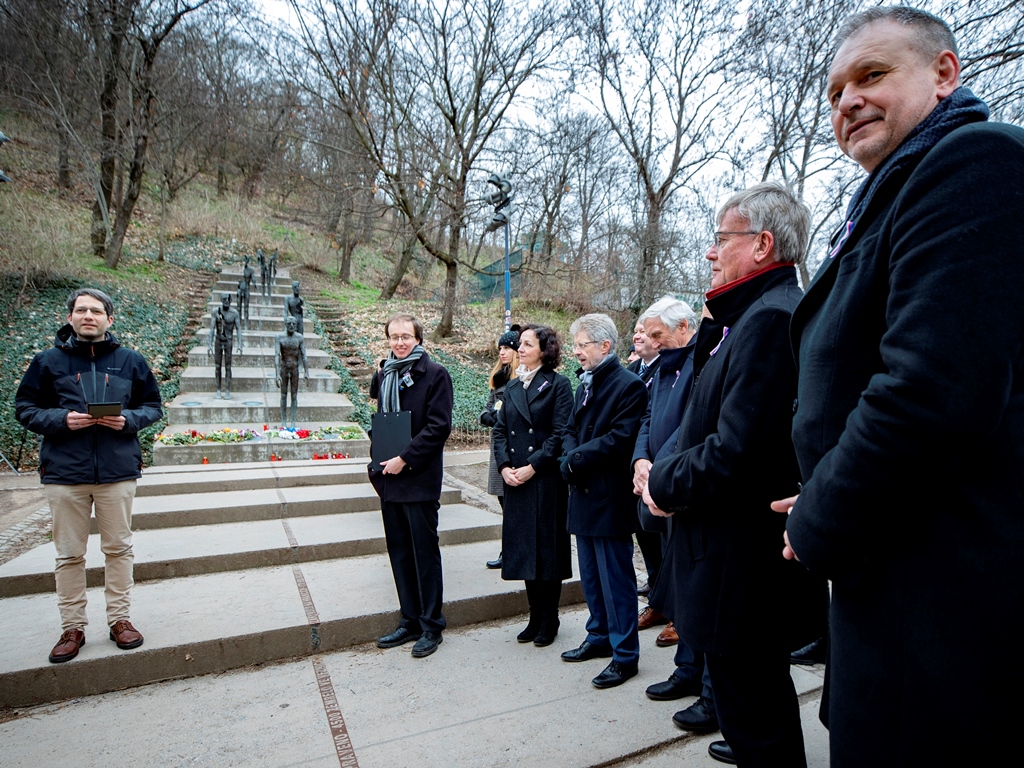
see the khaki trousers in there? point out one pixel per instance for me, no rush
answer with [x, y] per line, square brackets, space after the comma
[72, 506]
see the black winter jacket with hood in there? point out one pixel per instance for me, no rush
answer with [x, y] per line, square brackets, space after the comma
[67, 378]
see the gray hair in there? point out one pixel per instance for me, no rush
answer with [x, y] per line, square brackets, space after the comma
[598, 327]
[772, 207]
[671, 311]
[96, 293]
[931, 35]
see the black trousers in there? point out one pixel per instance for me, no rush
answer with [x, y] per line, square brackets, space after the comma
[543, 596]
[758, 709]
[652, 548]
[410, 529]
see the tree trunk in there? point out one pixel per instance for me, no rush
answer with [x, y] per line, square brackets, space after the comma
[401, 266]
[163, 221]
[444, 328]
[222, 174]
[63, 161]
[127, 204]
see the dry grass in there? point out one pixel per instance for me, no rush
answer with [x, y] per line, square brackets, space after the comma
[41, 237]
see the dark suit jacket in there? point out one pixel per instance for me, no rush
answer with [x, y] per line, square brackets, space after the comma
[430, 401]
[724, 577]
[598, 445]
[910, 436]
[531, 422]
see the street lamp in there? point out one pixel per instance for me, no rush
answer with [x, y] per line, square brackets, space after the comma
[501, 199]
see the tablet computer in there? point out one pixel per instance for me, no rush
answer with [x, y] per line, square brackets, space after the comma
[104, 409]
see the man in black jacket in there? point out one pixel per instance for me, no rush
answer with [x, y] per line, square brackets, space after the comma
[732, 595]
[909, 427]
[90, 461]
[597, 447]
[409, 484]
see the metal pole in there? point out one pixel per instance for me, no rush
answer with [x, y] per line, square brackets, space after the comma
[508, 285]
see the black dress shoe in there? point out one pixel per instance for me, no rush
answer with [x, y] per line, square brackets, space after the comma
[586, 652]
[615, 674]
[809, 655]
[492, 564]
[676, 687]
[427, 644]
[722, 752]
[400, 636]
[699, 717]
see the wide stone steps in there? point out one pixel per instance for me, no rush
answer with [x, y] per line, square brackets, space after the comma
[256, 357]
[244, 477]
[214, 622]
[203, 378]
[254, 337]
[249, 408]
[187, 551]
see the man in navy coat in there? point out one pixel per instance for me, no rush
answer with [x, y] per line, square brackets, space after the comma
[909, 427]
[597, 450]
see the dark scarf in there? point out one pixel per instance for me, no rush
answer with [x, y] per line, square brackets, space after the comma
[958, 109]
[394, 372]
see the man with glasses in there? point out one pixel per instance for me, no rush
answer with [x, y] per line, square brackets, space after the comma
[909, 426]
[597, 448]
[733, 597]
[409, 484]
[89, 397]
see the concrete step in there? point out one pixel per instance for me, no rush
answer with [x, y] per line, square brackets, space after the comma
[258, 338]
[233, 273]
[215, 622]
[174, 552]
[247, 408]
[225, 478]
[202, 378]
[258, 451]
[253, 357]
[176, 511]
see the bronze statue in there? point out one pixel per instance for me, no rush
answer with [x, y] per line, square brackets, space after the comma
[289, 351]
[243, 302]
[249, 278]
[264, 275]
[224, 322]
[273, 266]
[294, 306]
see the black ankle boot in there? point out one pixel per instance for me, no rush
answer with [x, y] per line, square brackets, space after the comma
[532, 628]
[548, 631]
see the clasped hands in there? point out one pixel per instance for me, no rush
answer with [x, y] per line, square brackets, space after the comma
[516, 477]
[76, 421]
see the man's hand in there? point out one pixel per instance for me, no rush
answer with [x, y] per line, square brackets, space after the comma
[76, 420]
[115, 423]
[786, 506]
[209, 351]
[641, 471]
[278, 380]
[655, 510]
[393, 466]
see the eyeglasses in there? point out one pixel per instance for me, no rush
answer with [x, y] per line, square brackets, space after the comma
[98, 311]
[405, 337]
[718, 236]
[581, 344]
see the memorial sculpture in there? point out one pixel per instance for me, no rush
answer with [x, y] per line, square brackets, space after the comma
[273, 266]
[264, 274]
[289, 351]
[224, 323]
[243, 302]
[249, 276]
[294, 306]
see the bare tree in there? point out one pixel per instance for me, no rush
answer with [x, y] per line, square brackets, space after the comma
[443, 77]
[660, 74]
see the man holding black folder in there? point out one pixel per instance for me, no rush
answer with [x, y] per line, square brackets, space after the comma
[413, 421]
[89, 397]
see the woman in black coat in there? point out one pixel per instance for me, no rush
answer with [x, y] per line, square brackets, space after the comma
[527, 444]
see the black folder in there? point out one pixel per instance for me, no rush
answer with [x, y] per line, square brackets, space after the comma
[390, 434]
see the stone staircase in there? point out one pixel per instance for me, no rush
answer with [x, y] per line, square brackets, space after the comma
[243, 561]
[255, 402]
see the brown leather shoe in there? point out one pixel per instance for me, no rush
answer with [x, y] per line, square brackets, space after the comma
[125, 635]
[650, 618]
[668, 637]
[67, 647]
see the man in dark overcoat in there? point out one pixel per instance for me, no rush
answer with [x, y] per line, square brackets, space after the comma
[597, 448]
[733, 596]
[910, 423]
[409, 485]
